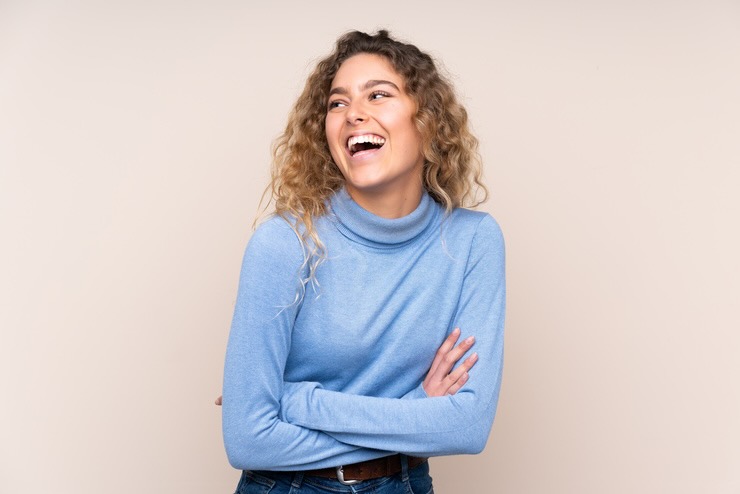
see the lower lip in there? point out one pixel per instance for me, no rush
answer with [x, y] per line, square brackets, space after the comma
[364, 154]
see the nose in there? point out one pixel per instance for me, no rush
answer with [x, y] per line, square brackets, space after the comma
[356, 114]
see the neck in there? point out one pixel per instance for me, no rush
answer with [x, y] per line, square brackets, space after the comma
[390, 205]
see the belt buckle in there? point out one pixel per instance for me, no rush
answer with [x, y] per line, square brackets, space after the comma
[340, 477]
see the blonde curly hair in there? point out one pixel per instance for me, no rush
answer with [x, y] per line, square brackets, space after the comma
[304, 175]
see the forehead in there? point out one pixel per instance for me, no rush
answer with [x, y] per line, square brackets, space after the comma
[363, 67]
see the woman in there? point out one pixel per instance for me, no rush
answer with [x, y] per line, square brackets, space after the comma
[359, 283]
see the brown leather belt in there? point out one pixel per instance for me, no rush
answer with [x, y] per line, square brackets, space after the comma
[366, 470]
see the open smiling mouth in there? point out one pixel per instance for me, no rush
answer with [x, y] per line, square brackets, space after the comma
[367, 142]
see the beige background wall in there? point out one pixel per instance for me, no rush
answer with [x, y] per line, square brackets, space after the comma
[134, 144]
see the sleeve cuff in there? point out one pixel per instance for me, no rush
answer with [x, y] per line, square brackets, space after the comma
[417, 393]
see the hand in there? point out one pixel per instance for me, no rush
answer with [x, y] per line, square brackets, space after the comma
[439, 381]
[219, 400]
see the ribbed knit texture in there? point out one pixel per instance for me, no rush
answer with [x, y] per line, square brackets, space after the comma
[336, 378]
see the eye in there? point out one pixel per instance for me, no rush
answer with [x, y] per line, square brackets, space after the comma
[335, 104]
[378, 95]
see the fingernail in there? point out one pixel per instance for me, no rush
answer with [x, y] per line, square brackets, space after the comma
[456, 331]
[470, 339]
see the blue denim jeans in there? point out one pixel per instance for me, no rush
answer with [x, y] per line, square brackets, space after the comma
[413, 481]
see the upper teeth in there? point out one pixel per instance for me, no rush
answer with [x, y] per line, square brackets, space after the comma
[365, 138]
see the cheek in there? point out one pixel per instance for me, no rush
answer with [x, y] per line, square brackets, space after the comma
[411, 136]
[401, 120]
[331, 132]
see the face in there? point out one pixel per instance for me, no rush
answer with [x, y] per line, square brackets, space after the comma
[371, 132]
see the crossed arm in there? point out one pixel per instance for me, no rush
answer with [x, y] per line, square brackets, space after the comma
[441, 380]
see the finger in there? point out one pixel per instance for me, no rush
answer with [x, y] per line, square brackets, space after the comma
[444, 349]
[454, 377]
[219, 400]
[463, 368]
[458, 384]
[451, 358]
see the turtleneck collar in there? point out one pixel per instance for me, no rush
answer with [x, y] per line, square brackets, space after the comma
[366, 228]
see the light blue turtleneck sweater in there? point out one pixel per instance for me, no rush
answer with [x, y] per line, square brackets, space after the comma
[336, 378]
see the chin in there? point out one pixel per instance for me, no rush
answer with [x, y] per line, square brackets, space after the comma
[365, 183]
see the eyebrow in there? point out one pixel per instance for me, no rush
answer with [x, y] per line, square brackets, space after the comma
[365, 87]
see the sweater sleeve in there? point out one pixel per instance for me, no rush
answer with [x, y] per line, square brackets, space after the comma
[416, 424]
[259, 342]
